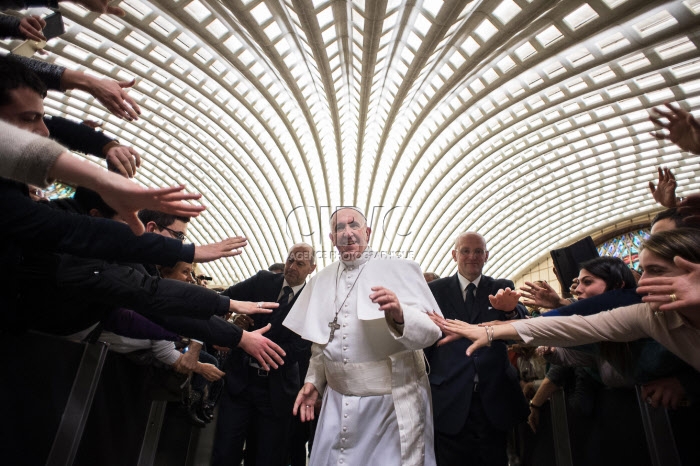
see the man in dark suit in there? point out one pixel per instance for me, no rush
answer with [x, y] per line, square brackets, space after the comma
[477, 399]
[255, 399]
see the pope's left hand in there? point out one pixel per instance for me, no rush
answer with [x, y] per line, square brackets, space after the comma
[388, 302]
[505, 300]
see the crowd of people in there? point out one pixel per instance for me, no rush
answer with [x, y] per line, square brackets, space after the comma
[369, 361]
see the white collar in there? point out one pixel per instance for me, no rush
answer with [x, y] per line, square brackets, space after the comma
[464, 283]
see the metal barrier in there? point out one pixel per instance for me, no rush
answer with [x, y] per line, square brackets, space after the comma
[75, 414]
[560, 429]
[659, 433]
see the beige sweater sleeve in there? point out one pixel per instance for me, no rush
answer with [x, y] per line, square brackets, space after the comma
[26, 157]
[621, 324]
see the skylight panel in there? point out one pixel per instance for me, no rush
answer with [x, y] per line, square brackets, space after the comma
[580, 57]
[490, 75]
[198, 11]
[618, 90]
[136, 8]
[103, 65]
[549, 36]
[233, 44]
[108, 24]
[433, 7]
[422, 24]
[477, 86]
[612, 43]
[485, 30]
[217, 28]
[506, 64]
[674, 48]
[532, 79]
[602, 74]
[185, 41]
[634, 62]
[203, 55]
[525, 51]
[693, 5]
[580, 16]
[686, 68]
[554, 69]
[160, 54]
[261, 13]
[88, 39]
[470, 46]
[137, 40]
[506, 11]
[655, 23]
[414, 41]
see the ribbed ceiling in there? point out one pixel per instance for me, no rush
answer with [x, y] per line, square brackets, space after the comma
[525, 121]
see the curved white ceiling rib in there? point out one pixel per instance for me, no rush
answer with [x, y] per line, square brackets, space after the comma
[524, 120]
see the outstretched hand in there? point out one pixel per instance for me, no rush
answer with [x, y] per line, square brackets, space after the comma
[113, 96]
[683, 129]
[265, 351]
[440, 321]
[249, 307]
[685, 288]
[667, 392]
[505, 300]
[127, 198]
[665, 193]
[541, 295]
[123, 160]
[228, 247]
[305, 403]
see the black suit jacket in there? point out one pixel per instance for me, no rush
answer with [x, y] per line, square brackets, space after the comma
[284, 382]
[452, 372]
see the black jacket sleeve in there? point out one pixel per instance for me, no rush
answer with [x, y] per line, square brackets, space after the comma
[37, 226]
[77, 136]
[49, 73]
[9, 27]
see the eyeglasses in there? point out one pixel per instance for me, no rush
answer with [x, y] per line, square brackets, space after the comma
[177, 234]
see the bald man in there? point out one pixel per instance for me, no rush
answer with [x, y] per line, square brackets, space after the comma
[476, 399]
[256, 400]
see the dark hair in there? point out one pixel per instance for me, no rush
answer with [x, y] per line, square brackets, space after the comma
[88, 200]
[612, 271]
[14, 75]
[671, 214]
[160, 219]
[276, 266]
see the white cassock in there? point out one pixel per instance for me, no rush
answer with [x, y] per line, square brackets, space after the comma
[377, 408]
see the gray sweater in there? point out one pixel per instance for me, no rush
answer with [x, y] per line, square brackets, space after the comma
[26, 157]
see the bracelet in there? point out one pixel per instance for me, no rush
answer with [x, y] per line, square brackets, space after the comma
[489, 335]
[534, 405]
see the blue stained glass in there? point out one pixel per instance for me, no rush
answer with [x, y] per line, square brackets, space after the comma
[625, 246]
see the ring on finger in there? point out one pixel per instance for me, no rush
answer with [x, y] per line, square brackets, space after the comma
[258, 305]
[673, 297]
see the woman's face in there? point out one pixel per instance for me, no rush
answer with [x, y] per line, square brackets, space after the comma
[182, 272]
[589, 285]
[655, 266]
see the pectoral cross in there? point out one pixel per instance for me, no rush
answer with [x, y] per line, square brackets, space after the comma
[334, 325]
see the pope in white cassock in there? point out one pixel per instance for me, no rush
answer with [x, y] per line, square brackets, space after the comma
[366, 316]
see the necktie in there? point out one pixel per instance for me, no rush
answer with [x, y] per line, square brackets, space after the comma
[286, 294]
[469, 299]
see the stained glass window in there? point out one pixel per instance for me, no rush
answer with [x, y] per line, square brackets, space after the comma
[626, 247]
